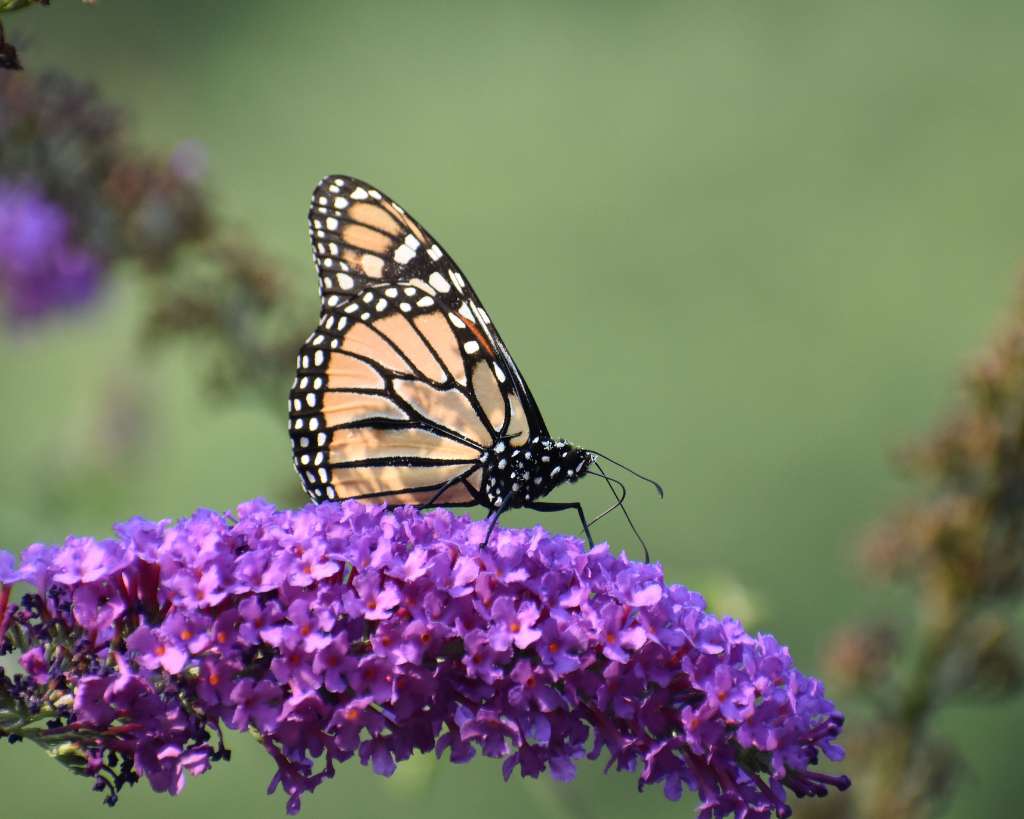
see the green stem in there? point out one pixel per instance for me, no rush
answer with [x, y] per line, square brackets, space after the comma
[923, 694]
[16, 5]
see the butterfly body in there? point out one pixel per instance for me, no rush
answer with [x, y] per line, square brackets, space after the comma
[405, 392]
[517, 476]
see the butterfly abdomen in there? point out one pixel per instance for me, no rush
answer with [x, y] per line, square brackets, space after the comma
[515, 476]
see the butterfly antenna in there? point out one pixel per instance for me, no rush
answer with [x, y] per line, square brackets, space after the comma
[621, 505]
[651, 481]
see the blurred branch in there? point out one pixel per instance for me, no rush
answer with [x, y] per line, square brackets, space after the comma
[73, 189]
[78, 202]
[962, 549]
[234, 304]
[78, 198]
[8, 54]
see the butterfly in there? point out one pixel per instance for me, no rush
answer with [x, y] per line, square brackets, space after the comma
[405, 392]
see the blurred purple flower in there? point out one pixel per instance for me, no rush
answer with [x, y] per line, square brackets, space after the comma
[8, 572]
[42, 271]
[388, 633]
[189, 161]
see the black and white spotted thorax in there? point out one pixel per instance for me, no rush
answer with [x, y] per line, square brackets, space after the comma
[515, 476]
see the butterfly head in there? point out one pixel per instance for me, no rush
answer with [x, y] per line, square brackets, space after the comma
[577, 461]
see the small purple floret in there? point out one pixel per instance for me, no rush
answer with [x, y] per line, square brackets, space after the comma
[345, 630]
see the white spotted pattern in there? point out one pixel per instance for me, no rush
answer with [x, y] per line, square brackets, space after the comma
[439, 282]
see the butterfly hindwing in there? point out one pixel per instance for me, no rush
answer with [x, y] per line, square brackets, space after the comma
[405, 383]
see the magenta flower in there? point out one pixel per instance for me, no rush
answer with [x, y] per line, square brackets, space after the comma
[513, 625]
[154, 648]
[345, 630]
[256, 703]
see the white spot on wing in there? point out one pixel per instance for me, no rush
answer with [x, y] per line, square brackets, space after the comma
[439, 283]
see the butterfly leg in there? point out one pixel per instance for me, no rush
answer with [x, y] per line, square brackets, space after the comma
[497, 514]
[545, 506]
[446, 486]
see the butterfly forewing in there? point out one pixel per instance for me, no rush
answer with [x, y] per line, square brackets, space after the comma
[405, 383]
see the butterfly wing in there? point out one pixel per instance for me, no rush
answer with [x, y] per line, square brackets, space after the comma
[405, 382]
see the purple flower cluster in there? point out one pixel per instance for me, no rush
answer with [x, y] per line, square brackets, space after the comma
[42, 270]
[76, 198]
[346, 630]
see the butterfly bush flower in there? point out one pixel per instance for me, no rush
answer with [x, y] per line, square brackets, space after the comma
[343, 630]
[76, 198]
[42, 269]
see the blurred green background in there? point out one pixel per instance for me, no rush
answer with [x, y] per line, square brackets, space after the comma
[744, 247]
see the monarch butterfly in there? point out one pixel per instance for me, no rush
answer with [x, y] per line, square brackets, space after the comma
[405, 392]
